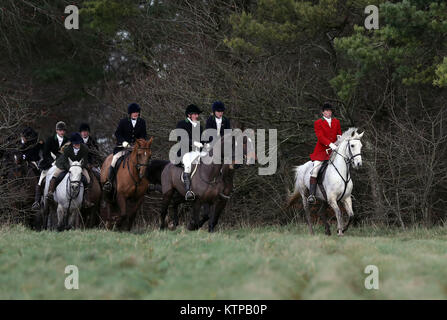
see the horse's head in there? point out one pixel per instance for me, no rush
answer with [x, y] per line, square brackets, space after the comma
[75, 174]
[355, 149]
[143, 153]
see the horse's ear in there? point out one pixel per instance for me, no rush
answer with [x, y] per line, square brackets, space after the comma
[82, 160]
[353, 133]
[361, 134]
[70, 162]
[338, 137]
[150, 141]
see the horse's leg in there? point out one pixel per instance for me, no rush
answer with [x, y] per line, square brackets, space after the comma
[122, 210]
[333, 203]
[322, 212]
[167, 196]
[307, 213]
[218, 208]
[133, 210]
[60, 211]
[206, 214]
[194, 223]
[347, 203]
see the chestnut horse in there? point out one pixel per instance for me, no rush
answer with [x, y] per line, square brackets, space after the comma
[131, 185]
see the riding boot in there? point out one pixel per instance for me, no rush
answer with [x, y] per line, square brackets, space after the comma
[37, 196]
[187, 181]
[51, 188]
[85, 202]
[108, 184]
[312, 188]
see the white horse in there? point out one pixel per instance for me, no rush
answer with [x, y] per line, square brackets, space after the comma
[68, 196]
[337, 181]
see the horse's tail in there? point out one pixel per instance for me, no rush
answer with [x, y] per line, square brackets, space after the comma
[294, 196]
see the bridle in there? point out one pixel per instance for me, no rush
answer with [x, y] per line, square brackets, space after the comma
[348, 162]
[137, 166]
[76, 182]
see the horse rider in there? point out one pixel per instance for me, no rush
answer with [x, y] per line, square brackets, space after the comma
[93, 154]
[326, 129]
[52, 147]
[76, 152]
[129, 130]
[30, 146]
[217, 120]
[192, 121]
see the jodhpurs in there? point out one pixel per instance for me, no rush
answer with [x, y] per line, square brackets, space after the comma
[316, 168]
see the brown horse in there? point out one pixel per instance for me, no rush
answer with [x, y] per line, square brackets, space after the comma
[212, 185]
[131, 185]
[90, 216]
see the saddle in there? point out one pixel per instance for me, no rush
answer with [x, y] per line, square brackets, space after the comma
[320, 177]
[121, 161]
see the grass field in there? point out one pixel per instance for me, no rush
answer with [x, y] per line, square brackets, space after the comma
[260, 263]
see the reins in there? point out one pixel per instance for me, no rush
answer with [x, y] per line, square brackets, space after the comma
[348, 162]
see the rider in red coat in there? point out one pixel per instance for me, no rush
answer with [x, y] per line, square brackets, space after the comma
[326, 130]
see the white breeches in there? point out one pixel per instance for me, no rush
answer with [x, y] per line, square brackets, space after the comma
[316, 168]
[43, 174]
[116, 156]
[191, 158]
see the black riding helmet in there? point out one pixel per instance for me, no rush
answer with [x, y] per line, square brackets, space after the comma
[192, 108]
[327, 106]
[133, 107]
[84, 127]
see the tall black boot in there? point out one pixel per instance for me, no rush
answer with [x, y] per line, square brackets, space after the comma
[108, 184]
[187, 181]
[37, 196]
[51, 188]
[312, 188]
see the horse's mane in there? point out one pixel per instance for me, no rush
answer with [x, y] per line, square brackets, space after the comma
[346, 135]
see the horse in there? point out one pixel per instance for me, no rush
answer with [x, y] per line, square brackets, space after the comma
[68, 197]
[90, 216]
[212, 185]
[131, 186]
[337, 180]
[21, 176]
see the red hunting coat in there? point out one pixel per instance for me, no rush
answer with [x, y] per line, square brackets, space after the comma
[326, 135]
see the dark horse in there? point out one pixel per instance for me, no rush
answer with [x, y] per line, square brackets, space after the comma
[131, 186]
[212, 185]
[21, 177]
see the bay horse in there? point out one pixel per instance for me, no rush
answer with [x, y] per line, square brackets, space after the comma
[131, 186]
[212, 184]
[337, 180]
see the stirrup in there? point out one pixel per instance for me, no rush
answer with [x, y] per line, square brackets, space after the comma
[311, 199]
[107, 186]
[189, 192]
[36, 206]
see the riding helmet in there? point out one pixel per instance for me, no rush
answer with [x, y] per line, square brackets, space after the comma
[192, 108]
[84, 127]
[327, 106]
[76, 138]
[218, 106]
[29, 133]
[133, 107]
[61, 126]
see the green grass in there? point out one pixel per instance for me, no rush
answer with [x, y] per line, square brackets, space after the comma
[259, 263]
